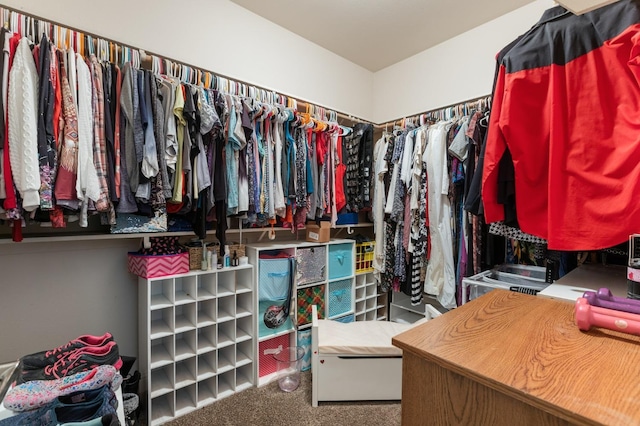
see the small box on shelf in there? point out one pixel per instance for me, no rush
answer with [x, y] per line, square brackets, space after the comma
[319, 233]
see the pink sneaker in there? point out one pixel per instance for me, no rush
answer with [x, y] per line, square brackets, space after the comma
[35, 394]
[82, 359]
[42, 359]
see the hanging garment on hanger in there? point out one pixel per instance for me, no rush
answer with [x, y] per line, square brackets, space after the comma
[559, 162]
[87, 185]
[440, 270]
[128, 155]
[23, 126]
[47, 151]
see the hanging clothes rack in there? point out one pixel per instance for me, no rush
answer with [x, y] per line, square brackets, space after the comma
[443, 113]
[85, 43]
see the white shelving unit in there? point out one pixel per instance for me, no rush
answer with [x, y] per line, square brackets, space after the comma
[370, 306]
[401, 309]
[197, 339]
[331, 279]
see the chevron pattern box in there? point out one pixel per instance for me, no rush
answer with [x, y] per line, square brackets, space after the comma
[158, 266]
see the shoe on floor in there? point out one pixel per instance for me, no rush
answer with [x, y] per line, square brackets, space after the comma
[41, 359]
[38, 393]
[106, 420]
[76, 407]
[82, 359]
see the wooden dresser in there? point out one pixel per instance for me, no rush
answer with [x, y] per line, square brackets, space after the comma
[513, 359]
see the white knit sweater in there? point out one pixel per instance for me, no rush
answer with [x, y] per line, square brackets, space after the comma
[23, 126]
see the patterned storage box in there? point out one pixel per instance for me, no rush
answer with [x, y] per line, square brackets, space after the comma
[310, 264]
[274, 279]
[304, 341]
[308, 297]
[266, 350]
[340, 261]
[158, 266]
[340, 298]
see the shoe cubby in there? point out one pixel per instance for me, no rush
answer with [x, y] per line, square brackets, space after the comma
[196, 329]
[185, 319]
[226, 334]
[244, 329]
[244, 353]
[207, 339]
[186, 400]
[162, 381]
[207, 391]
[226, 308]
[226, 283]
[206, 286]
[244, 280]
[162, 352]
[161, 294]
[325, 272]
[207, 312]
[162, 323]
[226, 384]
[162, 409]
[226, 359]
[244, 377]
[207, 365]
[186, 372]
[185, 345]
[185, 289]
[244, 305]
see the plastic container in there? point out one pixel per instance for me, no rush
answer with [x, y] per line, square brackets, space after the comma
[288, 367]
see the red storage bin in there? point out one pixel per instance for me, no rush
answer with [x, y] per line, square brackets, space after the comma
[266, 350]
[158, 266]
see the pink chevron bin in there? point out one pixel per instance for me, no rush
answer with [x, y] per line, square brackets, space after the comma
[146, 266]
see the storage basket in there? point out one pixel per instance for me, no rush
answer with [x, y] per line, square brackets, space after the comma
[346, 319]
[308, 297]
[273, 280]
[266, 350]
[364, 256]
[340, 261]
[340, 298]
[310, 264]
[237, 248]
[149, 266]
[304, 341]
[195, 256]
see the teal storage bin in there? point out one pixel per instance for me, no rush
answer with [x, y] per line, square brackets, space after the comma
[340, 261]
[274, 279]
[340, 298]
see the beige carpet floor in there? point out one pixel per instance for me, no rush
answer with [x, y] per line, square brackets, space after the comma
[269, 406]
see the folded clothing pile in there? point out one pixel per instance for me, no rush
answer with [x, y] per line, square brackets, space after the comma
[72, 384]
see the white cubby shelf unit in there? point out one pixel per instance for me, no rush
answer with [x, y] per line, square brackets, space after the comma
[196, 339]
[324, 275]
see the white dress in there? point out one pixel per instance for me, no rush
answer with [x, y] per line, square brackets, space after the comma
[440, 270]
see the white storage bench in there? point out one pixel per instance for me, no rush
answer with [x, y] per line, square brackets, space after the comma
[356, 361]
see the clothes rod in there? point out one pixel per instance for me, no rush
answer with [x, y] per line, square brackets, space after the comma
[417, 116]
[146, 59]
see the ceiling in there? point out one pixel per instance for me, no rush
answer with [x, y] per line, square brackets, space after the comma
[377, 33]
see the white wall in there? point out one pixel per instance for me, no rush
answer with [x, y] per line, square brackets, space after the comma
[53, 292]
[220, 36]
[454, 71]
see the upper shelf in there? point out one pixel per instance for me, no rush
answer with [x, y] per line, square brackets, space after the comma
[102, 236]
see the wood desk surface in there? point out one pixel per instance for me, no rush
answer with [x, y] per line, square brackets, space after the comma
[530, 349]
